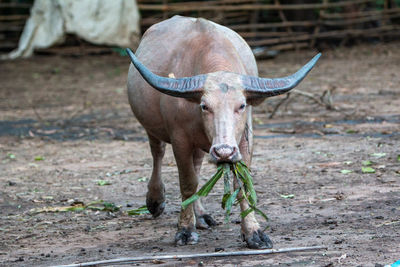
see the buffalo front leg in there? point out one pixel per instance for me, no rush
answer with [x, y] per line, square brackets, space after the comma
[250, 229]
[188, 182]
[203, 220]
[155, 198]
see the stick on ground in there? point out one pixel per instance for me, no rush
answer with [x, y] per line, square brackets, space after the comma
[200, 255]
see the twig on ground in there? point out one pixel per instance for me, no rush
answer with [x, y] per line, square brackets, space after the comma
[324, 100]
[311, 96]
[200, 255]
[278, 105]
[40, 119]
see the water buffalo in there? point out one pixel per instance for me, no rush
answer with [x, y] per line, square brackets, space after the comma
[192, 84]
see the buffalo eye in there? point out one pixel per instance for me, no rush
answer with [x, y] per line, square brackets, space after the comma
[204, 107]
[241, 108]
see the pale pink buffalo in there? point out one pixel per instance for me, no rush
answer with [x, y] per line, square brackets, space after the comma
[192, 84]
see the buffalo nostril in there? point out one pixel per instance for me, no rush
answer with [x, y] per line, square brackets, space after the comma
[224, 152]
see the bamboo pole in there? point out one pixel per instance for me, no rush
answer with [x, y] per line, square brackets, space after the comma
[359, 14]
[202, 6]
[268, 34]
[361, 20]
[13, 17]
[265, 52]
[318, 27]
[288, 28]
[331, 34]
[307, 23]
[11, 28]
[273, 25]
[190, 256]
[15, 5]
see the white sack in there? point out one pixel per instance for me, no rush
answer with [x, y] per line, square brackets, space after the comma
[101, 22]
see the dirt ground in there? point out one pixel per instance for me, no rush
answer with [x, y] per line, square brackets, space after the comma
[66, 127]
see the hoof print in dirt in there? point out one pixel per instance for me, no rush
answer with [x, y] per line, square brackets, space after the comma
[259, 240]
[205, 221]
[186, 237]
[155, 207]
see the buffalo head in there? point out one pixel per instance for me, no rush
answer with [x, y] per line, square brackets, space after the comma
[223, 99]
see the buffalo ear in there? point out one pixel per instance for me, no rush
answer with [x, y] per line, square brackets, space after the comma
[195, 99]
[254, 101]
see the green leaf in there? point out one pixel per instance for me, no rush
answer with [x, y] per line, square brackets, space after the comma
[351, 131]
[398, 157]
[258, 211]
[39, 158]
[229, 203]
[11, 156]
[346, 171]
[205, 189]
[287, 196]
[246, 186]
[247, 181]
[378, 155]
[75, 208]
[367, 163]
[203, 192]
[103, 182]
[246, 212]
[102, 206]
[227, 182]
[111, 207]
[224, 199]
[367, 170]
[139, 211]
[190, 200]
[142, 179]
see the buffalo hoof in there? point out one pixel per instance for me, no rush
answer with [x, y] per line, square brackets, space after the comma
[186, 237]
[156, 207]
[205, 221]
[258, 240]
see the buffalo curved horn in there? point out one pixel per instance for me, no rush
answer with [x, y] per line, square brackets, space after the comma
[187, 87]
[263, 87]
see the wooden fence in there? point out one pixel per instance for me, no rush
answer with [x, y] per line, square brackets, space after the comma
[13, 15]
[269, 25]
[285, 25]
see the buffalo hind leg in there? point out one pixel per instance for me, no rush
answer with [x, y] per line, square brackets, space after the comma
[155, 198]
[203, 220]
[251, 231]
